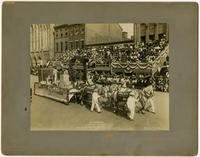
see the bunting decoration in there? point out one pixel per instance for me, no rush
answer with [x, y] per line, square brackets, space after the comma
[130, 67]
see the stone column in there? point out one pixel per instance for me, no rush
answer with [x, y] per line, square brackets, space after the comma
[36, 38]
[137, 33]
[31, 39]
[36, 41]
[156, 31]
[41, 40]
[51, 42]
[167, 31]
[42, 37]
[48, 36]
[45, 37]
[147, 32]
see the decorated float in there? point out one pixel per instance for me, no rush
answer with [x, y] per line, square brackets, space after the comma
[58, 82]
[65, 83]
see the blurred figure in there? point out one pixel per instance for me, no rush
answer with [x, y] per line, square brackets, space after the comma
[131, 104]
[149, 106]
[95, 101]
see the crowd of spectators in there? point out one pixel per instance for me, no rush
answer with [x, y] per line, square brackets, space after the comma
[162, 79]
[138, 52]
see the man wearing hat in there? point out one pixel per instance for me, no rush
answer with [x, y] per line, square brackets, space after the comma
[131, 104]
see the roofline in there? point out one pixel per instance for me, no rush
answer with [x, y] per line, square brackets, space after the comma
[64, 25]
[117, 42]
[61, 25]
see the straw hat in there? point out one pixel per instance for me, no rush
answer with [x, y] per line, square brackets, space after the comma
[132, 93]
[96, 90]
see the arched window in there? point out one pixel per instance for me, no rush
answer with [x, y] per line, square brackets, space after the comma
[71, 45]
[61, 46]
[82, 43]
[56, 47]
[66, 46]
[76, 45]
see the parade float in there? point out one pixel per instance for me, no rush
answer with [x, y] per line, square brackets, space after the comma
[52, 80]
[57, 82]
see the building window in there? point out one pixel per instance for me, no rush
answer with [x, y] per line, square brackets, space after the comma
[71, 32]
[66, 33]
[71, 45]
[61, 34]
[77, 45]
[76, 30]
[61, 47]
[56, 33]
[82, 30]
[66, 48]
[143, 39]
[74, 46]
[160, 36]
[152, 37]
[82, 44]
[56, 47]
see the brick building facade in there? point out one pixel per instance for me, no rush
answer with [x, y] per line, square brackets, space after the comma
[76, 36]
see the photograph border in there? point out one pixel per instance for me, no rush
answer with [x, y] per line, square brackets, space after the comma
[181, 139]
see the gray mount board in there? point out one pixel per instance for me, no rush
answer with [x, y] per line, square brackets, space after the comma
[181, 139]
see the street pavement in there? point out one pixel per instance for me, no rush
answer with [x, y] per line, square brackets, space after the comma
[47, 114]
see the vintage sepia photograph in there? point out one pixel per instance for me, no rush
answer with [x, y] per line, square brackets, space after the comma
[99, 76]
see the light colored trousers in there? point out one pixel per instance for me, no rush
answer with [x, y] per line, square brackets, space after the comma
[131, 104]
[151, 104]
[95, 102]
[132, 112]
